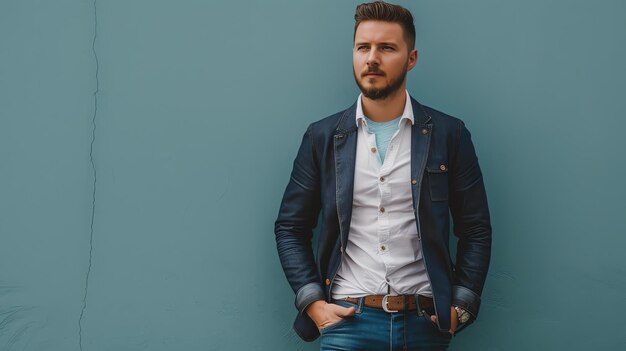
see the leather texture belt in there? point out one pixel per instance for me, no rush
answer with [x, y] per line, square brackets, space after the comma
[395, 303]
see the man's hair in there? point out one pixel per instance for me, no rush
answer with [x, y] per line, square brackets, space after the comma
[382, 11]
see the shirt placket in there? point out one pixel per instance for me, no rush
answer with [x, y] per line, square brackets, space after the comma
[384, 186]
[382, 221]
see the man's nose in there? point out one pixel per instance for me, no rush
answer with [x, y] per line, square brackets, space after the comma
[372, 58]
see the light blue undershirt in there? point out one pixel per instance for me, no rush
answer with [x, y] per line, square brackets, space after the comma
[383, 132]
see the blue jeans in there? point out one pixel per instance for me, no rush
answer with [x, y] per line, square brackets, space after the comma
[375, 329]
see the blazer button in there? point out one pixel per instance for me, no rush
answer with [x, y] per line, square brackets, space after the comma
[424, 131]
[442, 167]
[327, 281]
[413, 181]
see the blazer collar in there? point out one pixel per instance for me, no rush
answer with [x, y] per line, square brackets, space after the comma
[346, 121]
[420, 115]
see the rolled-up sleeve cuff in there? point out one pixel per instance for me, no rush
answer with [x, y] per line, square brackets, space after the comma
[309, 294]
[466, 299]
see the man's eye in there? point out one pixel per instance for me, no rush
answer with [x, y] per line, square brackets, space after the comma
[361, 48]
[387, 48]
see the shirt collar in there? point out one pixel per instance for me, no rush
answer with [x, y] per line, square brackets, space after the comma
[406, 114]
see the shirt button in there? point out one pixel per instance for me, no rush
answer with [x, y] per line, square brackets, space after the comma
[373, 150]
[327, 281]
[382, 179]
[424, 131]
[413, 181]
[383, 247]
[442, 167]
[382, 210]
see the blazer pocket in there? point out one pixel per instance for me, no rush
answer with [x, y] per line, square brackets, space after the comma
[438, 182]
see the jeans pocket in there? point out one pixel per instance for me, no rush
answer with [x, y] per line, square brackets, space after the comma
[344, 319]
[335, 325]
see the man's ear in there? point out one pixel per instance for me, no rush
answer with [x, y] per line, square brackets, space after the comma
[412, 60]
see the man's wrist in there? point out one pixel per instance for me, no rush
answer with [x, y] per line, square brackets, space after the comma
[313, 305]
[466, 299]
[314, 308]
[307, 295]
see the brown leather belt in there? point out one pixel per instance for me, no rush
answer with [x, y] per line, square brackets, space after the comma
[397, 303]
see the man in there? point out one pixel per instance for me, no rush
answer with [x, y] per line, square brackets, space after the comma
[385, 174]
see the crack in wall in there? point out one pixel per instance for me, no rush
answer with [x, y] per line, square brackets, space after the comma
[93, 168]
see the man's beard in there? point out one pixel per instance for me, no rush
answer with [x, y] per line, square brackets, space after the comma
[384, 92]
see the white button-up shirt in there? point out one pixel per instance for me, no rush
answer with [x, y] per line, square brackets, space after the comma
[383, 253]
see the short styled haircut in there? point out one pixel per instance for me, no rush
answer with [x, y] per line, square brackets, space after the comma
[382, 11]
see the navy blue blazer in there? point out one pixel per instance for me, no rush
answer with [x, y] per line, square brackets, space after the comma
[446, 179]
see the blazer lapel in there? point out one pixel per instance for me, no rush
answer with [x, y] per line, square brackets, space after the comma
[345, 157]
[420, 143]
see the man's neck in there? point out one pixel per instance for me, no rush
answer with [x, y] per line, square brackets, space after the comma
[384, 110]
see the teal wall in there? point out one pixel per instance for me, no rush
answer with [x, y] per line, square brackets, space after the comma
[143, 157]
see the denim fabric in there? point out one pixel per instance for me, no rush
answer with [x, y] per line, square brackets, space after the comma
[375, 329]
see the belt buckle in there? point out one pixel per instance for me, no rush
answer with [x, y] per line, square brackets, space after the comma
[385, 302]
